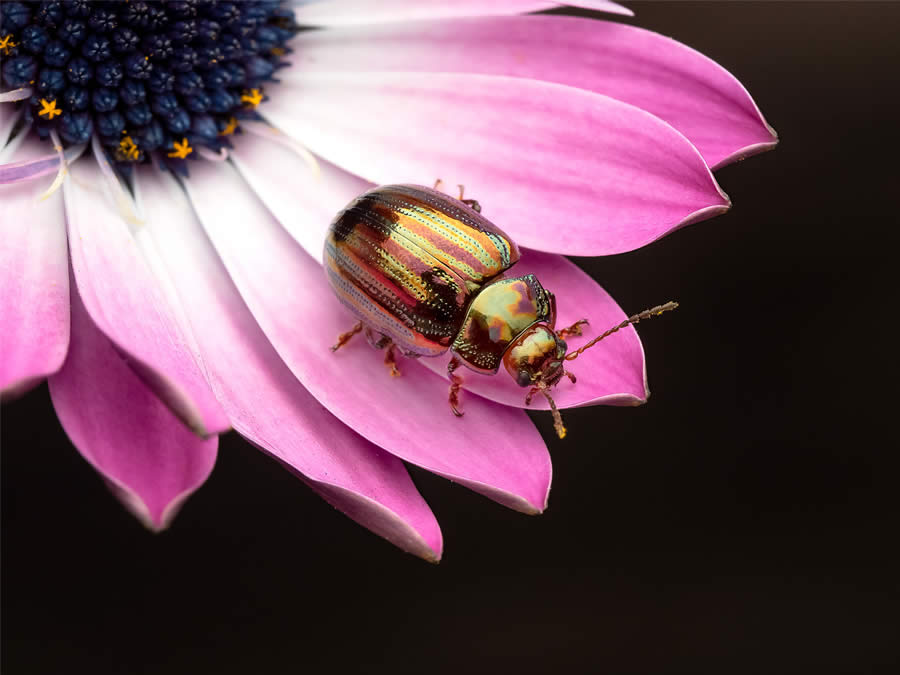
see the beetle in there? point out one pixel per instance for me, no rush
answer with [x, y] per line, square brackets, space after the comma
[424, 273]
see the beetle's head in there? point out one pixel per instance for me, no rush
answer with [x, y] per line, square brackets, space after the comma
[536, 357]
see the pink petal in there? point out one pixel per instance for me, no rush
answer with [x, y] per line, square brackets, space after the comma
[25, 170]
[34, 282]
[494, 450]
[364, 12]
[124, 290]
[149, 459]
[264, 401]
[303, 203]
[677, 84]
[611, 373]
[560, 169]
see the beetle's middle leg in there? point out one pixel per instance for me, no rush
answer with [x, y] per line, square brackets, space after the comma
[344, 338]
[471, 203]
[382, 341]
[574, 329]
[455, 383]
[390, 360]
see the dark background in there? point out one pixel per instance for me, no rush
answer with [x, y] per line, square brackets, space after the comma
[744, 521]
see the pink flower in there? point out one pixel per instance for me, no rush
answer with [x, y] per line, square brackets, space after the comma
[166, 314]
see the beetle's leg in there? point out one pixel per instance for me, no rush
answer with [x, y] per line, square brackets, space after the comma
[344, 338]
[574, 329]
[377, 340]
[390, 360]
[437, 184]
[471, 203]
[455, 383]
[557, 418]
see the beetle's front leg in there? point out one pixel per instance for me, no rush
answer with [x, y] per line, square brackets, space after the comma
[455, 383]
[574, 329]
[344, 338]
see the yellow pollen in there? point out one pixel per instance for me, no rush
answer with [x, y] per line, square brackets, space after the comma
[230, 128]
[182, 149]
[278, 51]
[254, 97]
[6, 44]
[49, 109]
[128, 150]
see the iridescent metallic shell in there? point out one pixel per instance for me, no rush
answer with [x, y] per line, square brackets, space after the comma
[499, 314]
[407, 261]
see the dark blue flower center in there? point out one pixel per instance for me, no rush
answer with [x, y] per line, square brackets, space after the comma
[165, 76]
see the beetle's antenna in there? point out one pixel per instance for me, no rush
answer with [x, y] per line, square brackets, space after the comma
[646, 314]
[557, 418]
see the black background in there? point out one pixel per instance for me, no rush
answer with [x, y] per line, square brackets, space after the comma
[744, 521]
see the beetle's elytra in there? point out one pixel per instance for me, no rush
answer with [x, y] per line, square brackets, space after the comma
[423, 272]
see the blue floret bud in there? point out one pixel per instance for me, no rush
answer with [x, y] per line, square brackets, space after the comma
[143, 76]
[19, 71]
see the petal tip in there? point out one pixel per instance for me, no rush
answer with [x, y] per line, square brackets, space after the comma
[616, 8]
[635, 401]
[134, 504]
[546, 493]
[430, 552]
[748, 151]
[531, 501]
[424, 540]
[203, 423]
[18, 389]
[706, 213]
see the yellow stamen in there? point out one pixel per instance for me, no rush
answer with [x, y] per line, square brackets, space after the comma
[278, 51]
[6, 44]
[230, 128]
[253, 97]
[128, 150]
[49, 109]
[182, 149]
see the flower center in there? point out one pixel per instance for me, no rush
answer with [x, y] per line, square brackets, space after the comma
[142, 77]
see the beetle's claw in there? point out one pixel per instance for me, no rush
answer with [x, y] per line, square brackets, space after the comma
[344, 338]
[574, 329]
[453, 398]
